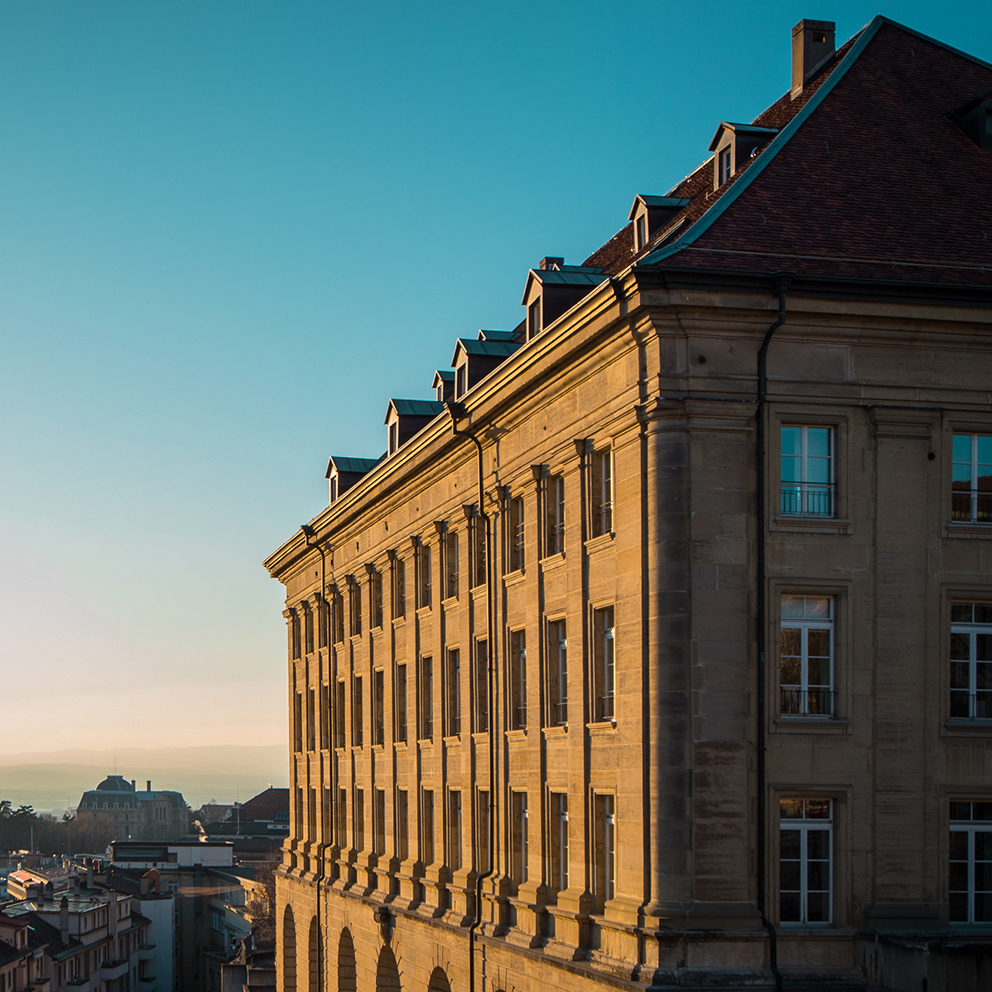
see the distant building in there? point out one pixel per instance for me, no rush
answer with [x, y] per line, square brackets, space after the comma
[134, 815]
[257, 828]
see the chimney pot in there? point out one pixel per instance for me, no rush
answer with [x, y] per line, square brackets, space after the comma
[148, 785]
[551, 262]
[812, 45]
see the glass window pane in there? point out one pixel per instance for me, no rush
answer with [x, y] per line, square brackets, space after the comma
[818, 907]
[818, 809]
[958, 876]
[791, 672]
[818, 471]
[960, 647]
[818, 442]
[818, 845]
[962, 448]
[818, 671]
[793, 607]
[959, 703]
[983, 444]
[789, 844]
[961, 612]
[789, 908]
[818, 607]
[818, 876]
[983, 908]
[792, 441]
[790, 809]
[983, 612]
[957, 906]
[789, 876]
[960, 675]
[981, 811]
[983, 675]
[983, 647]
[819, 643]
[983, 845]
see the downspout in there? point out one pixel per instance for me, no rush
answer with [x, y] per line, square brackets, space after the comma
[308, 533]
[782, 280]
[456, 411]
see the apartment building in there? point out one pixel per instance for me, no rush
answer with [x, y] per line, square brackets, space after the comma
[655, 650]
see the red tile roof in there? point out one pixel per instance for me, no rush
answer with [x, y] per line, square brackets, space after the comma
[869, 179]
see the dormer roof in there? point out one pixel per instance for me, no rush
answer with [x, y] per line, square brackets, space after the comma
[342, 464]
[498, 335]
[740, 129]
[413, 408]
[567, 275]
[488, 349]
[653, 202]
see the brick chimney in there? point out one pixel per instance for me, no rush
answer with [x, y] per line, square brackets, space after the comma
[148, 785]
[812, 45]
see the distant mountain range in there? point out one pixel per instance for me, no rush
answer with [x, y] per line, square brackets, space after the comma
[55, 780]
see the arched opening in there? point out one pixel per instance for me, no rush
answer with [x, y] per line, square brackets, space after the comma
[314, 956]
[439, 981]
[387, 975]
[288, 951]
[347, 973]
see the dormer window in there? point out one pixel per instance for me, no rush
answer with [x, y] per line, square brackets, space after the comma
[534, 319]
[444, 385]
[461, 381]
[334, 487]
[734, 145]
[975, 119]
[405, 418]
[394, 436]
[343, 473]
[641, 232]
[724, 165]
[652, 214]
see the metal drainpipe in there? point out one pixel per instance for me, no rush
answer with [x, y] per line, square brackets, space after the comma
[456, 411]
[782, 280]
[308, 533]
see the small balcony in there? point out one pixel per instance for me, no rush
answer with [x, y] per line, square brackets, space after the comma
[146, 983]
[971, 505]
[807, 499]
[817, 702]
[146, 952]
[109, 971]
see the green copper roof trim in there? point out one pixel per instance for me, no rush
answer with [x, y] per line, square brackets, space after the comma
[707, 220]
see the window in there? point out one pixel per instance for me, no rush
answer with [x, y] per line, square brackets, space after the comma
[342, 825]
[298, 812]
[379, 821]
[518, 680]
[378, 707]
[400, 702]
[807, 472]
[308, 629]
[356, 608]
[557, 673]
[399, 588]
[312, 816]
[461, 381]
[325, 814]
[394, 436]
[970, 888]
[805, 852]
[452, 694]
[375, 619]
[559, 841]
[298, 721]
[479, 559]
[724, 165]
[322, 623]
[518, 840]
[339, 710]
[294, 634]
[516, 526]
[451, 564]
[426, 729]
[402, 824]
[555, 515]
[311, 719]
[806, 656]
[602, 492]
[424, 583]
[454, 830]
[427, 826]
[325, 716]
[971, 480]
[534, 319]
[604, 664]
[484, 820]
[337, 609]
[359, 834]
[481, 687]
[642, 232]
[605, 849]
[971, 660]
[357, 721]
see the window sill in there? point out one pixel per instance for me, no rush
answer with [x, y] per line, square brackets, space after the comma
[553, 561]
[455, 740]
[811, 525]
[602, 727]
[423, 611]
[513, 578]
[399, 621]
[450, 602]
[514, 736]
[809, 725]
[962, 726]
[425, 742]
[378, 748]
[480, 735]
[599, 542]
[967, 530]
[557, 732]
[400, 745]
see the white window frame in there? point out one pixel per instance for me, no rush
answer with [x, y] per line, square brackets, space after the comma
[805, 825]
[972, 828]
[975, 513]
[826, 708]
[604, 664]
[802, 492]
[602, 492]
[558, 672]
[976, 709]
[555, 515]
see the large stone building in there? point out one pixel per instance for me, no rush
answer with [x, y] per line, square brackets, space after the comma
[124, 812]
[655, 649]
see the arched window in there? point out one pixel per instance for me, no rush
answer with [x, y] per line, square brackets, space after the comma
[347, 973]
[387, 975]
[314, 956]
[288, 951]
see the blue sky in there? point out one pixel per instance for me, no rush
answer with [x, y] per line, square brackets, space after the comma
[231, 231]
